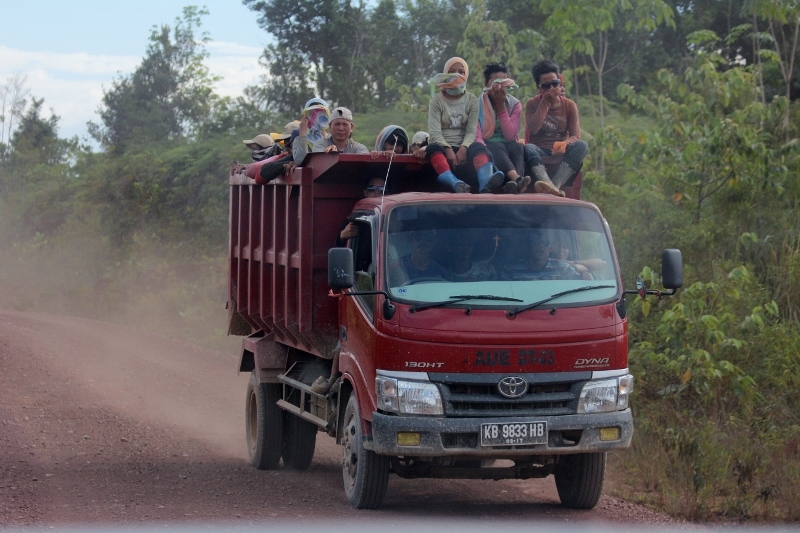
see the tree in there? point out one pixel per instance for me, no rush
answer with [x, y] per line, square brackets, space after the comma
[13, 99]
[169, 93]
[485, 41]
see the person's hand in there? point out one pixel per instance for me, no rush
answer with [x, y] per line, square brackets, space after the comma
[497, 95]
[349, 231]
[304, 126]
[420, 153]
[237, 167]
[551, 95]
[559, 147]
[594, 263]
[376, 154]
[331, 149]
[288, 167]
[461, 156]
[450, 155]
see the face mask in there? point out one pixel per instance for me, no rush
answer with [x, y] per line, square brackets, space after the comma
[264, 153]
[455, 91]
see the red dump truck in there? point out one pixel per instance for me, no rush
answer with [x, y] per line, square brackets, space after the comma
[477, 335]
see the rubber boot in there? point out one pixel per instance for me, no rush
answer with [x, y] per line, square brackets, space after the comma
[449, 179]
[543, 183]
[563, 175]
[489, 178]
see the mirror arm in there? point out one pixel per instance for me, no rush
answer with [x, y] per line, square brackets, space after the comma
[654, 292]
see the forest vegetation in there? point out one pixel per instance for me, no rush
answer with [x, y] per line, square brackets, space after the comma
[691, 112]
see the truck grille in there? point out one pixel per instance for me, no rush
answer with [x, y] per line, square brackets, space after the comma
[481, 398]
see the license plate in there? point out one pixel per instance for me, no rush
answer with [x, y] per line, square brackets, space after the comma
[513, 433]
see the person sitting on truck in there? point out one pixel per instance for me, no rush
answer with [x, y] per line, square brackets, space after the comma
[418, 264]
[453, 124]
[391, 139]
[552, 127]
[339, 140]
[419, 140]
[373, 188]
[498, 126]
[460, 264]
[536, 263]
[262, 147]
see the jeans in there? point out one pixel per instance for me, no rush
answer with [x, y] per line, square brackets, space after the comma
[573, 155]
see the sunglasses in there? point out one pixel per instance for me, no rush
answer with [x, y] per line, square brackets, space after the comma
[376, 188]
[550, 85]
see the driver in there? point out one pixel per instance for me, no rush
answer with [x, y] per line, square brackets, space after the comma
[418, 264]
[537, 264]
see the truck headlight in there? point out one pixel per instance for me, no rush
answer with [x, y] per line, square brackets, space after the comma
[606, 395]
[408, 397]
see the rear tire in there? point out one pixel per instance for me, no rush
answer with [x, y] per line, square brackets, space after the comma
[366, 474]
[299, 440]
[579, 479]
[263, 423]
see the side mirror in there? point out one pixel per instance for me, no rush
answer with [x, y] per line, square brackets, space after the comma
[340, 268]
[672, 269]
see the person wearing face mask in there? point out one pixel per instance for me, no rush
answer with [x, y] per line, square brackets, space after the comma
[262, 147]
[391, 139]
[452, 125]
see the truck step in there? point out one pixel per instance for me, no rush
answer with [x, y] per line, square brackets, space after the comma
[318, 406]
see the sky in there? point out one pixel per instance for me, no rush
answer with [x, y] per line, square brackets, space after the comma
[69, 51]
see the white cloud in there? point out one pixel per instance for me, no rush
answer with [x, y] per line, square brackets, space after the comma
[72, 83]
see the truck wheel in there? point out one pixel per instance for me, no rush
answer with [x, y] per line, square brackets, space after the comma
[366, 474]
[299, 440]
[263, 423]
[579, 479]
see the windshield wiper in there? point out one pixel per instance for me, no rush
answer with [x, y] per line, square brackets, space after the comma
[515, 312]
[461, 298]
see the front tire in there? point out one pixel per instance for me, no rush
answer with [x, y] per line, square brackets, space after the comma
[366, 474]
[579, 479]
[263, 423]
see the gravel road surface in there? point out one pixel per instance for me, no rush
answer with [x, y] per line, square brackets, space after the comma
[105, 424]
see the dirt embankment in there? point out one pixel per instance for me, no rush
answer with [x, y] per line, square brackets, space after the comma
[102, 424]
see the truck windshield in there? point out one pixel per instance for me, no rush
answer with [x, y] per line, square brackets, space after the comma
[511, 255]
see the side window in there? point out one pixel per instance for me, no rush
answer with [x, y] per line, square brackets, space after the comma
[364, 266]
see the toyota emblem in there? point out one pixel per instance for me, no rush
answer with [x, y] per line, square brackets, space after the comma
[512, 386]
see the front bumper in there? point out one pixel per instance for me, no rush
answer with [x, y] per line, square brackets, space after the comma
[461, 436]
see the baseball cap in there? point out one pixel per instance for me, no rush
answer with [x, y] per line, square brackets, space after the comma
[287, 130]
[420, 137]
[341, 112]
[262, 139]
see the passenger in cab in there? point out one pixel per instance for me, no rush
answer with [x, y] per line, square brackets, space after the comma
[552, 127]
[453, 124]
[418, 264]
[561, 251]
[460, 263]
[373, 188]
[391, 139]
[535, 263]
[498, 126]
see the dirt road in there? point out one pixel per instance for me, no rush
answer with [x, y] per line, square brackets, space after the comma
[101, 424]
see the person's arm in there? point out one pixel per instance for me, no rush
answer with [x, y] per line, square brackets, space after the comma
[573, 122]
[472, 121]
[535, 112]
[435, 123]
[509, 123]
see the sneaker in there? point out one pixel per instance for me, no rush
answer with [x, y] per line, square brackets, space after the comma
[510, 188]
[462, 187]
[322, 384]
[523, 183]
[544, 188]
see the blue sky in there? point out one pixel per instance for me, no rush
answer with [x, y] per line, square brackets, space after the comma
[69, 51]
